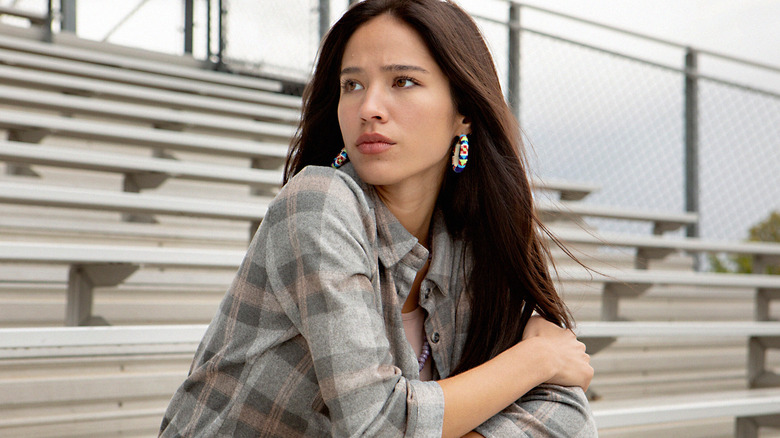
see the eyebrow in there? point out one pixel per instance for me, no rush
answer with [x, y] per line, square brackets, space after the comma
[391, 67]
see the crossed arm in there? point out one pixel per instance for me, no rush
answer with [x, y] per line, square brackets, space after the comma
[547, 354]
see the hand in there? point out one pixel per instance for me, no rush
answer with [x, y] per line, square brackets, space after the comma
[561, 352]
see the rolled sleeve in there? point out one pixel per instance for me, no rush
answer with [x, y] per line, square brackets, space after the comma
[546, 411]
[425, 404]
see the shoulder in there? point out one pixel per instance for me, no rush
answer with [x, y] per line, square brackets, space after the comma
[317, 186]
[317, 195]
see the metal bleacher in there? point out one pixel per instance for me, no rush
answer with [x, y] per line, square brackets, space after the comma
[129, 190]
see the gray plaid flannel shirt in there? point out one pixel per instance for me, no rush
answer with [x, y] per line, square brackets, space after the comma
[309, 341]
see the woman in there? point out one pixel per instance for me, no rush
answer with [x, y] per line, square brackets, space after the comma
[394, 295]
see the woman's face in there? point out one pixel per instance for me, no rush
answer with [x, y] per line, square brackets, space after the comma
[396, 112]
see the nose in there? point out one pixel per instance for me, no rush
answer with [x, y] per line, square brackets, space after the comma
[373, 105]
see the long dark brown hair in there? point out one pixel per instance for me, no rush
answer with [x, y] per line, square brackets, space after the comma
[489, 205]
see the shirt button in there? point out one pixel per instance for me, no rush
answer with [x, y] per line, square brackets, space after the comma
[435, 338]
[427, 293]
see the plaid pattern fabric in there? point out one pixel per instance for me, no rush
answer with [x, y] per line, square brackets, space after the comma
[309, 339]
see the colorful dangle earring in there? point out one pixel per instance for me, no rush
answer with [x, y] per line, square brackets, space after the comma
[340, 159]
[460, 155]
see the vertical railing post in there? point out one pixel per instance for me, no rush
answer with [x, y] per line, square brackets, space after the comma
[208, 31]
[221, 35]
[68, 14]
[189, 22]
[48, 32]
[513, 81]
[692, 140]
[324, 12]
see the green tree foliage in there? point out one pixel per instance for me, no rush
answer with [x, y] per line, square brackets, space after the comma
[766, 231]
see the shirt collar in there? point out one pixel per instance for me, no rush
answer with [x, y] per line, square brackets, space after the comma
[395, 242]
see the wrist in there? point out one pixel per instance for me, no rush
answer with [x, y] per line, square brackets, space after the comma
[537, 351]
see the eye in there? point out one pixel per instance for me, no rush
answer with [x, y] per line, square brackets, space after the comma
[404, 82]
[350, 85]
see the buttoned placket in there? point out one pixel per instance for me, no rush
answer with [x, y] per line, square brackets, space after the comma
[427, 302]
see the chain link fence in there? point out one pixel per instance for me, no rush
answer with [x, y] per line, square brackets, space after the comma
[739, 158]
[597, 116]
[594, 117]
[272, 37]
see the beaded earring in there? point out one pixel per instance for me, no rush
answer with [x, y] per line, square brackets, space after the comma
[460, 154]
[340, 159]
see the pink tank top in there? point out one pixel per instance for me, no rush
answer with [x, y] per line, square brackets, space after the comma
[415, 333]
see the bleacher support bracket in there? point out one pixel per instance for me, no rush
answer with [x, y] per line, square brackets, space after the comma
[82, 281]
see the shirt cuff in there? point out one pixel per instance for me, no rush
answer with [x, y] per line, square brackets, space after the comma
[425, 404]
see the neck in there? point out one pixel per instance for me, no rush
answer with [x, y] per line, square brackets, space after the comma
[412, 206]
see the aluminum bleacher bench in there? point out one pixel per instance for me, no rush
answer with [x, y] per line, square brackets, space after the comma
[158, 117]
[124, 379]
[657, 247]
[569, 191]
[632, 283]
[183, 85]
[130, 203]
[45, 226]
[752, 408]
[93, 341]
[662, 221]
[597, 335]
[33, 342]
[134, 93]
[18, 152]
[616, 284]
[760, 335]
[135, 63]
[105, 200]
[102, 265]
[65, 197]
[33, 127]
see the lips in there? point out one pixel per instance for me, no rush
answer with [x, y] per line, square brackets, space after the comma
[373, 143]
[373, 138]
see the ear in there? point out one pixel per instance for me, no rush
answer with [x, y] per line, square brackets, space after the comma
[463, 125]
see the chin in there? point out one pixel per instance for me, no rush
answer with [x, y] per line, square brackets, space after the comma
[377, 173]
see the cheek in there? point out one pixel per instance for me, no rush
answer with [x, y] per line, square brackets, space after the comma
[435, 121]
[343, 119]
[427, 113]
